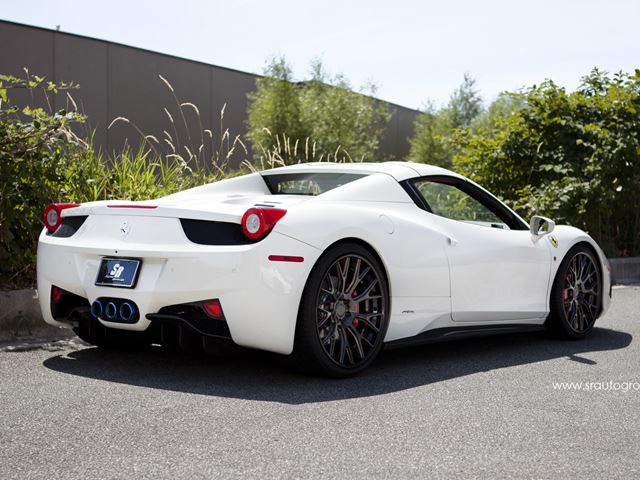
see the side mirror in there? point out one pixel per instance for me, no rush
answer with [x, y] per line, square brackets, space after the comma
[541, 226]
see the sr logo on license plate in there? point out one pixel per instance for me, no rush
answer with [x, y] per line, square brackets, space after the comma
[118, 272]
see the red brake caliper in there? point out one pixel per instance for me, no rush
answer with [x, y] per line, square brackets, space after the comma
[355, 320]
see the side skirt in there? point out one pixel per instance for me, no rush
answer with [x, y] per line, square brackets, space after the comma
[456, 333]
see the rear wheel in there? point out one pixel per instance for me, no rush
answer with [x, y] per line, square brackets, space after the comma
[576, 295]
[344, 313]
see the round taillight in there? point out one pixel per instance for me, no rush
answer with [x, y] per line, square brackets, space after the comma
[253, 223]
[257, 222]
[53, 214]
[51, 218]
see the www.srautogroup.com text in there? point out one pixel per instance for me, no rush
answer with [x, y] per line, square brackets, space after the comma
[598, 386]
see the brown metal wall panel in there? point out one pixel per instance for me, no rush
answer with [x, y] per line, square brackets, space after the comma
[26, 47]
[388, 144]
[137, 93]
[116, 80]
[84, 61]
[406, 121]
[229, 89]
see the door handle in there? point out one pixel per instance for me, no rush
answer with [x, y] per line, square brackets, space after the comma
[452, 241]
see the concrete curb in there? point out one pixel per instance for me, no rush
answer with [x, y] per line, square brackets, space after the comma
[625, 270]
[20, 317]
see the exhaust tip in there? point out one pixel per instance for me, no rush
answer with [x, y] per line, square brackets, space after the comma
[96, 309]
[127, 312]
[111, 310]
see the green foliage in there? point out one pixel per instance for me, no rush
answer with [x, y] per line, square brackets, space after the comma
[33, 145]
[465, 103]
[274, 108]
[322, 118]
[431, 140]
[42, 161]
[433, 130]
[571, 156]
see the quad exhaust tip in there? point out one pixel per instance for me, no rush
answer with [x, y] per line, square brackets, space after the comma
[127, 311]
[111, 310]
[97, 309]
[114, 310]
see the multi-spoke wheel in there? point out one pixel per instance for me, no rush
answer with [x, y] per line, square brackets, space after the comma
[576, 294]
[343, 314]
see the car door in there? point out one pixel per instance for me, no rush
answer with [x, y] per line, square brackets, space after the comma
[498, 270]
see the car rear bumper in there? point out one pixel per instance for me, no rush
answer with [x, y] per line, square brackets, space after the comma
[259, 297]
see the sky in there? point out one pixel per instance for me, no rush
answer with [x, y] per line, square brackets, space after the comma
[414, 51]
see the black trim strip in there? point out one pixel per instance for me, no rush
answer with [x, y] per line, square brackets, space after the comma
[207, 232]
[219, 325]
[456, 333]
[69, 226]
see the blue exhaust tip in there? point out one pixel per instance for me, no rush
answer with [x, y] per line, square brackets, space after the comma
[96, 309]
[111, 310]
[127, 312]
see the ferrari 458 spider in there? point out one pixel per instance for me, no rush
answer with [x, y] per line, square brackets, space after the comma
[327, 262]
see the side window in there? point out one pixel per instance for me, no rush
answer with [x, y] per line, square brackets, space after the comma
[449, 201]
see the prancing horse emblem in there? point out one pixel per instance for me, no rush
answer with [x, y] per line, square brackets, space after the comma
[124, 229]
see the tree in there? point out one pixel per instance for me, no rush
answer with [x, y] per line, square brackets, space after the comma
[341, 121]
[465, 103]
[274, 108]
[433, 129]
[319, 119]
[571, 156]
[430, 142]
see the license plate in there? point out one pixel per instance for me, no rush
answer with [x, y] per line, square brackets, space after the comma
[118, 272]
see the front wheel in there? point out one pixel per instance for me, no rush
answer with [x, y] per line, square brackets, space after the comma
[576, 295]
[344, 313]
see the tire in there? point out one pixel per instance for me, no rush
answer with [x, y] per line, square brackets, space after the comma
[93, 332]
[576, 295]
[343, 315]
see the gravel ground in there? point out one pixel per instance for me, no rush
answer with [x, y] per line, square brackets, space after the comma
[483, 408]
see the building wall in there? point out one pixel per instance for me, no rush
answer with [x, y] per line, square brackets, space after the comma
[121, 81]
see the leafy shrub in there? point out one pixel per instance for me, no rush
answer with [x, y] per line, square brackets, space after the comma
[433, 128]
[33, 146]
[574, 157]
[321, 118]
[42, 160]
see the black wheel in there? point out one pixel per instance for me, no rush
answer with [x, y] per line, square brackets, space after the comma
[576, 295]
[344, 313]
[94, 333]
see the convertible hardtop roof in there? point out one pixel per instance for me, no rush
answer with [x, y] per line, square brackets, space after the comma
[398, 170]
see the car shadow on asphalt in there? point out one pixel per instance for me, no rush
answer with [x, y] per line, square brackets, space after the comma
[261, 376]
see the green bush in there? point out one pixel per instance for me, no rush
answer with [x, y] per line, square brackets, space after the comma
[321, 119]
[42, 161]
[33, 146]
[574, 157]
[433, 129]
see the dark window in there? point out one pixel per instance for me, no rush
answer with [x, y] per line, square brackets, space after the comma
[307, 183]
[460, 200]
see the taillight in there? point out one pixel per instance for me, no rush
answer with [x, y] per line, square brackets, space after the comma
[53, 214]
[257, 222]
[213, 309]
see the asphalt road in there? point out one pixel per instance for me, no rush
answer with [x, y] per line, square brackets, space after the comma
[485, 408]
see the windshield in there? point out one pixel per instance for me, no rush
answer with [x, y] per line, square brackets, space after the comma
[307, 183]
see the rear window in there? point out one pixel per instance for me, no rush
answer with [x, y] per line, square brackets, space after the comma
[307, 183]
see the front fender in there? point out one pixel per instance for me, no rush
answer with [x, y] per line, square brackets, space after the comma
[568, 237]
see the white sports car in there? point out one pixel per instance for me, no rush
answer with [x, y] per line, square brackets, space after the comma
[327, 262]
